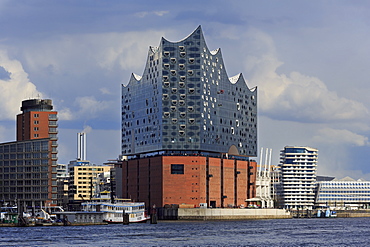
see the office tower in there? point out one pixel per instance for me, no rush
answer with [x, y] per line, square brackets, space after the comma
[28, 166]
[298, 177]
[201, 123]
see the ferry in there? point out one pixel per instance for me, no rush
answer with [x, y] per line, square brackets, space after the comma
[113, 212]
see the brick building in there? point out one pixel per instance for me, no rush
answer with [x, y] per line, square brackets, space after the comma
[28, 166]
[192, 180]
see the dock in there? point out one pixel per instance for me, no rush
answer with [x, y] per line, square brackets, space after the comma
[222, 213]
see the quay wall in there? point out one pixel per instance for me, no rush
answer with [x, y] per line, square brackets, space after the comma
[231, 214]
[353, 213]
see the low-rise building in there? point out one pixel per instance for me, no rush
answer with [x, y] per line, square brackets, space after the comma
[345, 193]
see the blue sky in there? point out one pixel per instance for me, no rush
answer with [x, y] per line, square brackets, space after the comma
[309, 60]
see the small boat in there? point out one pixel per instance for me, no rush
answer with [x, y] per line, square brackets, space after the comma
[114, 212]
[333, 214]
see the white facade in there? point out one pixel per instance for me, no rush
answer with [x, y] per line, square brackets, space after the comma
[263, 180]
[298, 177]
[345, 193]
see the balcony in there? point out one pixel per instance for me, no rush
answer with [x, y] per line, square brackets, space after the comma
[53, 123]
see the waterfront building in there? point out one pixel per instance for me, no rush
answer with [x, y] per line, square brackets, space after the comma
[62, 182]
[298, 177]
[28, 166]
[84, 179]
[190, 180]
[84, 176]
[345, 193]
[188, 130]
[185, 102]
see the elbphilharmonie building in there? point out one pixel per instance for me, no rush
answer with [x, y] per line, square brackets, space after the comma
[185, 102]
[188, 130]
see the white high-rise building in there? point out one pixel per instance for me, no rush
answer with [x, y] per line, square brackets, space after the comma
[298, 177]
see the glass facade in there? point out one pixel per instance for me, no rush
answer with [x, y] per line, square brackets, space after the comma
[26, 171]
[186, 102]
[342, 193]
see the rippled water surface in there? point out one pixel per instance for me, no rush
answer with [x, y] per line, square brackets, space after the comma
[286, 232]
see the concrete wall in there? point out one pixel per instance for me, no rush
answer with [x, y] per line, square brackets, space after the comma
[231, 214]
[352, 213]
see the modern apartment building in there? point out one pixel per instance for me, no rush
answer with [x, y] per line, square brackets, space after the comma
[298, 177]
[199, 123]
[28, 166]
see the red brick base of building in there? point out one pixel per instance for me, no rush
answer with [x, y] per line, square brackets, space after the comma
[188, 180]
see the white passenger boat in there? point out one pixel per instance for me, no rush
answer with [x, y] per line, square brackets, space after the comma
[113, 212]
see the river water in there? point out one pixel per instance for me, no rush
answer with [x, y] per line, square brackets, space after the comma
[280, 232]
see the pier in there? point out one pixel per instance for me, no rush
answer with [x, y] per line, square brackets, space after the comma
[222, 214]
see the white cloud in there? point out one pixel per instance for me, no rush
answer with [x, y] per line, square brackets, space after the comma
[340, 137]
[143, 14]
[87, 129]
[161, 13]
[90, 107]
[15, 88]
[295, 96]
[87, 107]
[109, 51]
[65, 114]
[105, 90]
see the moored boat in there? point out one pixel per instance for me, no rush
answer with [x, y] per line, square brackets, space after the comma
[114, 212]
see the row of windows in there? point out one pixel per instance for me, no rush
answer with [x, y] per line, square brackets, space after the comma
[32, 146]
[23, 182]
[346, 185]
[353, 194]
[24, 189]
[344, 199]
[88, 169]
[19, 196]
[24, 169]
[21, 159]
[25, 175]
